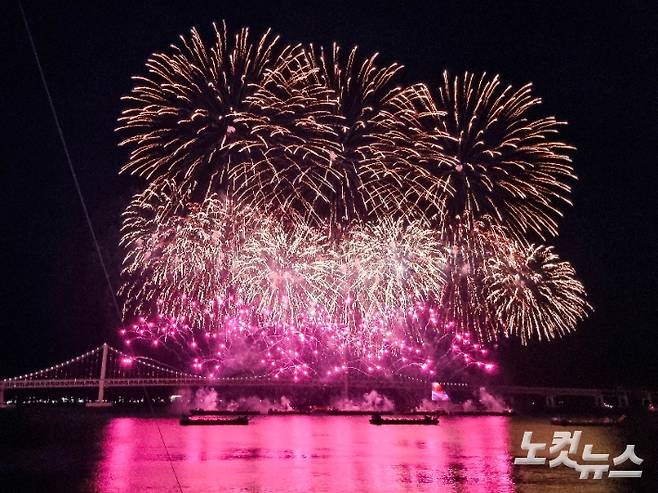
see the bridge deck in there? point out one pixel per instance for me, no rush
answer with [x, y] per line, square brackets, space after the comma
[366, 384]
[99, 360]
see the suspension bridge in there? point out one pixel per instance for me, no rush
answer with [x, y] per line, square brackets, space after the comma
[106, 367]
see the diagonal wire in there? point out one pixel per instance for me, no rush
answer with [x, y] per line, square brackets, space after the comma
[70, 164]
[88, 217]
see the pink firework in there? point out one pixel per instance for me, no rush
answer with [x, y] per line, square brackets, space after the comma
[237, 339]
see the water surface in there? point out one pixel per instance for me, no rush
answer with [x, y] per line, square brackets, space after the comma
[63, 450]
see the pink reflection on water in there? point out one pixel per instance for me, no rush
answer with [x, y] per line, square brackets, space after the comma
[302, 454]
[119, 452]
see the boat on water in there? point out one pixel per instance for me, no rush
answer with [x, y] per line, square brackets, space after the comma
[205, 419]
[377, 419]
[607, 421]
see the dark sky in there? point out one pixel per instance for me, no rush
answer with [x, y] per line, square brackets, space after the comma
[594, 65]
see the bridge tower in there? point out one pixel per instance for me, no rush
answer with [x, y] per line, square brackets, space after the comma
[101, 402]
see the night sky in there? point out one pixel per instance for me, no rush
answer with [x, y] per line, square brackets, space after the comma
[594, 66]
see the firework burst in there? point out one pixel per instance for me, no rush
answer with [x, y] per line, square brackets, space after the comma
[390, 264]
[365, 98]
[178, 250]
[469, 243]
[248, 345]
[285, 269]
[306, 215]
[481, 152]
[534, 292]
[220, 117]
